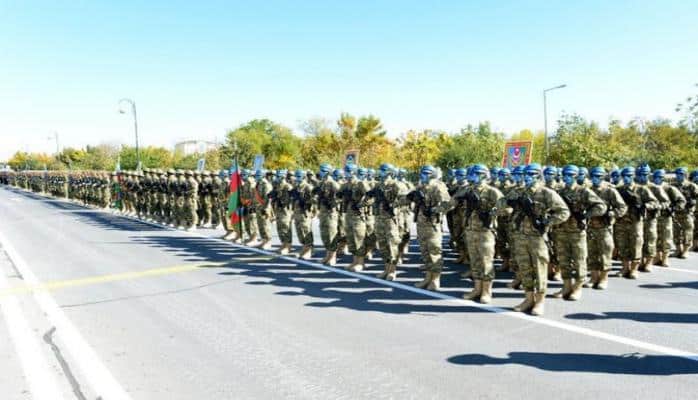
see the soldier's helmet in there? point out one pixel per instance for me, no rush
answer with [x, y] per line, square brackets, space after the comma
[259, 174]
[643, 170]
[325, 169]
[179, 172]
[223, 174]
[518, 170]
[171, 171]
[598, 172]
[350, 169]
[188, 172]
[281, 173]
[658, 174]
[694, 175]
[494, 171]
[361, 173]
[531, 169]
[627, 171]
[549, 172]
[427, 170]
[479, 169]
[570, 170]
[386, 170]
[299, 174]
[582, 171]
[337, 174]
[504, 173]
[206, 173]
[461, 174]
[401, 173]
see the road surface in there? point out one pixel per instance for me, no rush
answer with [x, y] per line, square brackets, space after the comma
[100, 305]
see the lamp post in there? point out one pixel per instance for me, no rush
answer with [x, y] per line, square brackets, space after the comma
[545, 118]
[135, 126]
[55, 137]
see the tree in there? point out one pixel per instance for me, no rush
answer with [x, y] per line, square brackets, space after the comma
[473, 145]
[276, 142]
[421, 148]
[689, 111]
[151, 157]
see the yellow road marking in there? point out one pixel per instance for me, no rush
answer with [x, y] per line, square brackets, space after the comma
[48, 286]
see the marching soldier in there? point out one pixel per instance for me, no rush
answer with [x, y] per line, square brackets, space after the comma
[327, 192]
[388, 196]
[649, 246]
[283, 210]
[302, 197]
[262, 205]
[684, 219]
[665, 220]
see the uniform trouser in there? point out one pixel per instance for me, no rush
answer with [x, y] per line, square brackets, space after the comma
[449, 225]
[457, 233]
[341, 229]
[683, 229]
[190, 215]
[513, 236]
[106, 197]
[179, 211]
[164, 208]
[629, 239]
[329, 221]
[481, 253]
[553, 250]
[370, 232]
[600, 248]
[250, 222]
[172, 208]
[571, 251]
[531, 254]
[406, 226]
[207, 209]
[665, 233]
[502, 242]
[388, 235]
[430, 236]
[304, 227]
[216, 217]
[356, 233]
[649, 234]
[264, 224]
[284, 218]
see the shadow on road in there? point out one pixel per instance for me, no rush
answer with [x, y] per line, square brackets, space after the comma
[333, 289]
[671, 285]
[628, 364]
[672, 318]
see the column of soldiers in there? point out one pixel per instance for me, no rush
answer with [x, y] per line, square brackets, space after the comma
[543, 223]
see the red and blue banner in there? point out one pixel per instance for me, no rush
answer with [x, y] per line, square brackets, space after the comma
[517, 153]
[233, 213]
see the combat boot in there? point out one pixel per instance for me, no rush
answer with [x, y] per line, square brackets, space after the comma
[576, 292]
[539, 306]
[266, 245]
[657, 259]
[251, 241]
[602, 283]
[515, 283]
[285, 249]
[695, 245]
[369, 255]
[565, 291]
[624, 271]
[331, 259]
[306, 253]
[525, 305]
[476, 292]
[593, 280]
[357, 265]
[324, 259]
[423, 283]
[682, 252]
[386, 271]
[392, 273]
[645, 264]
[435, 284]
[664, 262]
[486, 296]
[632, 272]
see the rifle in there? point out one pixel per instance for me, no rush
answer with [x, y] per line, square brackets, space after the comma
[418, 197]
[579, 215]
[634, 202]
[526, 204]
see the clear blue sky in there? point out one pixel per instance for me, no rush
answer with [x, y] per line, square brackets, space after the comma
[197, 68]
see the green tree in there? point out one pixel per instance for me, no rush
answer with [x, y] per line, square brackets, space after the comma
[473, 145]
[276, 142]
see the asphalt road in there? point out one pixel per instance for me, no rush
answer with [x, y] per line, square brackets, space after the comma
[99, 305]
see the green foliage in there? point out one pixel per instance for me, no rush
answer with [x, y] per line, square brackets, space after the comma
[473, 145]
[151, 157]
[689, 113]
[33, 161]
[276, 142]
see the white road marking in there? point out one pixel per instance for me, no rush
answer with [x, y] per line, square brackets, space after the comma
[41, 381]
[675, 269]
[100, 379]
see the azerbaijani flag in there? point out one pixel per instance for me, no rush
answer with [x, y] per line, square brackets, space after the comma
[234, 197]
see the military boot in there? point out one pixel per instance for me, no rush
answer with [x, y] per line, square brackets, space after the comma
[266, 245]
[423, 283]
[357, 265]
[602, 283]
[331, 259]
[306, 253]
[476, 292]
[392, 273]
[515, 283]
[593, 280]
[251, 241]
[624, 271]
[369, 255]
[632, 272]
[285, 249]
[324, 259]
[576, 292]
[525, 305]
[664, 262]
[565, 291]
[230, 235]
[645, 264]
[435, 284]
[539, 306]
[657, 258]
[695, 244]
[386, 271]
[486, 296]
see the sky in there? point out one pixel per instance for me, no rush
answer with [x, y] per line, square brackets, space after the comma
[199, 68]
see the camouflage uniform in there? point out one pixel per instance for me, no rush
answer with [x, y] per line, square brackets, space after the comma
[684, 219]
[249, 216]
[431, 202]
[600, 234]
[665, 221]
[302, 195]
[283, 209]
[389, 196]
[649, 231]
[328, 215]
[263, 207]
[630, 226]
[359, 207]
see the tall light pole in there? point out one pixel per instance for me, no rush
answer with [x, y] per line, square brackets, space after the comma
[135, 126]
[545, 118]
[55, 137]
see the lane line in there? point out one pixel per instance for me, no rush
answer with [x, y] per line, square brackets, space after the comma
[437, 295]
[97, 374]
[93, 280]
[40, 379]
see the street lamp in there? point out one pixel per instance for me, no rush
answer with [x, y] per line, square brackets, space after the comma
[545, 117]
[55, 137]
[135, 126]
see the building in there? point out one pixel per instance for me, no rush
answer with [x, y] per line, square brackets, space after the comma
[188, 147]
